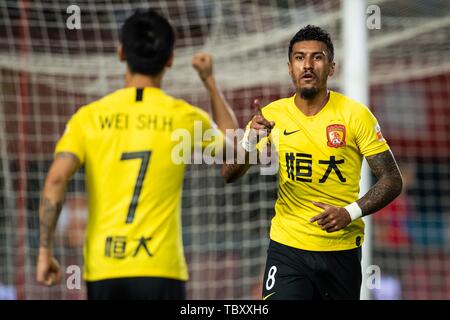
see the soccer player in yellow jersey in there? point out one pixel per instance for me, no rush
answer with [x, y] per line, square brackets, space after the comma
[321, 137]
[133, 247]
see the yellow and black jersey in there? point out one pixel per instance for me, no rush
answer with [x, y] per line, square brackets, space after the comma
[126, 141]
[320, 159]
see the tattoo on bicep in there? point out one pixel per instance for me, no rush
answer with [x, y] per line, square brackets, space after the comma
[49, 216]
[68, 155]
[382, 163]
[388, 186]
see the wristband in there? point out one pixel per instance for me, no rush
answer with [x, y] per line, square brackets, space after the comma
[247, 144]
[354, 210]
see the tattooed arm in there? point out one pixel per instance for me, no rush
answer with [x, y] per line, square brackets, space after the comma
[52, 198]
[386, 189]
[388, 186]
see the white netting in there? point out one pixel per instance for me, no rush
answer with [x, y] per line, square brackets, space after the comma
[47, 71]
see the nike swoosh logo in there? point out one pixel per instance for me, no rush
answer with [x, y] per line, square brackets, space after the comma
[288, 133]
[267, 297]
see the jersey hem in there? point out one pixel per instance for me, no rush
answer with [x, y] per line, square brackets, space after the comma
[136, 274]
[323, 248]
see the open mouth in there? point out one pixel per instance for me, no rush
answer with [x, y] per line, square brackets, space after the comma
[308, 76]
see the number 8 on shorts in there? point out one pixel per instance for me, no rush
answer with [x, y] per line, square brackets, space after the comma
[270, 282]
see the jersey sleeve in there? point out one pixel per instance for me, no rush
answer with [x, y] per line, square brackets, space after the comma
[72, 139]
[369, 138]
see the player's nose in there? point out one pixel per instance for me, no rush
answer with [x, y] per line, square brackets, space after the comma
[307, 64]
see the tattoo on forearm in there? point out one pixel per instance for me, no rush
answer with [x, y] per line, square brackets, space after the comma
[49, 216]
[388, 186]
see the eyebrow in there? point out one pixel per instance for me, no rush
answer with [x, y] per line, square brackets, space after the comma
[313, 53]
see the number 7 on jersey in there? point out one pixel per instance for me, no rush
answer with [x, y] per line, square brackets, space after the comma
[145, 156]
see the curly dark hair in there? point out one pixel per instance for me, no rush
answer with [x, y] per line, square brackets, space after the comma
[312, 33]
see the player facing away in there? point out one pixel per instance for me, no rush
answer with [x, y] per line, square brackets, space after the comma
[321, 137]
[133, 247]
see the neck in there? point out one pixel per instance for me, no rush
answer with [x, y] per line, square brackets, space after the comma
[137, 80]
[312, 106]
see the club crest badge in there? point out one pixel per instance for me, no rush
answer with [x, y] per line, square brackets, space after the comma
[336, 135]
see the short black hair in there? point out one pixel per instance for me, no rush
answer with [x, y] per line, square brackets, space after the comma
[148, 40]
[312, 33]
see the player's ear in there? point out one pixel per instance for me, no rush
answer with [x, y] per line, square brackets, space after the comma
[169, 62]
[289, 68]
[332, 68]
[121, 53]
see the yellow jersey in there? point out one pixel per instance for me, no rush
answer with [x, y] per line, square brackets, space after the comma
[320, 159]
[134, 186]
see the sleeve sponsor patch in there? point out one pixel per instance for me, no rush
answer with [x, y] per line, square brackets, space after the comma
[378, 133]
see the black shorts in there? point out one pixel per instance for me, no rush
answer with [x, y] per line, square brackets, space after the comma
[137, 288]
[293, 273]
